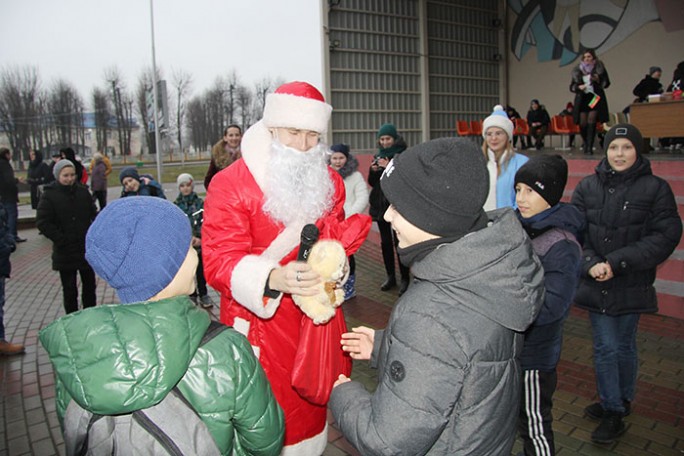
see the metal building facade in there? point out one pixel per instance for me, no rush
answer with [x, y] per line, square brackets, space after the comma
[419, 64]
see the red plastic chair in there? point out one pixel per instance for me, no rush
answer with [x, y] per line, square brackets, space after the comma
[521, 127]
[559, 125]
[476, 127]
[463, 128]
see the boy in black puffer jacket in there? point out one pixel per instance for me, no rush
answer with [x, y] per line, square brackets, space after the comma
[554, 228]
[632, 227]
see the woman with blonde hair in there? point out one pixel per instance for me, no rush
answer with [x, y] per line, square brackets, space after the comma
[502, 160]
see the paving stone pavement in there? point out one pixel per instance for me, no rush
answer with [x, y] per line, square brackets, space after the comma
[28, 421]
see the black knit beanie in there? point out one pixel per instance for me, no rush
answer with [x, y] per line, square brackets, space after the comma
[439, 186]
[341, 148]
[627, 131]
[546, 175]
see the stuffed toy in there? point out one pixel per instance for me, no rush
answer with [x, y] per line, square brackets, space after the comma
[329, 259]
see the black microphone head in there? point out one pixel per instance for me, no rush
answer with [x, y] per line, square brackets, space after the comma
[309, 234]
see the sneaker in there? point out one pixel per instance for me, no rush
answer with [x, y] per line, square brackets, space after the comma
[610, 428]
[206, 302]
[9, 349]
[595, 411]
[18, 239]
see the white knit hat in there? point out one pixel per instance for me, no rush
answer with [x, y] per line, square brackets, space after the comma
[500, 119]
[297, 105]
[184, 178]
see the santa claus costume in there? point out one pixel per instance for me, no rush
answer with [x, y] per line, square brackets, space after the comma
[251, 228]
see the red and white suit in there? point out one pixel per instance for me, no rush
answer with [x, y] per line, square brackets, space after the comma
[241, 245]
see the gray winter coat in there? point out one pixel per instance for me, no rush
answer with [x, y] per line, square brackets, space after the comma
[449, 375]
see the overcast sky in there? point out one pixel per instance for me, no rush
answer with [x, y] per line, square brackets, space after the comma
[78, 39]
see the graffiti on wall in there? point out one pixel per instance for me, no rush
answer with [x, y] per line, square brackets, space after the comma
[563, 29]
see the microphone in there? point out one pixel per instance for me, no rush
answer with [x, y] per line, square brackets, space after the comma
[308, 239]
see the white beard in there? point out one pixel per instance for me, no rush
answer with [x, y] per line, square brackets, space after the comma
[298, 186]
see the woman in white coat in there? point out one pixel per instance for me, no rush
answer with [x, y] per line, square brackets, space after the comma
[356, 201]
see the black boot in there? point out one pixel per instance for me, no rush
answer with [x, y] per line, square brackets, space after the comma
[583, 134]
[591, 133]
[389, 283]
[610, 428]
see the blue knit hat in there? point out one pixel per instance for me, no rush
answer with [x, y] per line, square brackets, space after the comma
[137, 245]
[341, 148]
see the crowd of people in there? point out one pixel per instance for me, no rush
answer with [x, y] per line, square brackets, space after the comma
[494, 317]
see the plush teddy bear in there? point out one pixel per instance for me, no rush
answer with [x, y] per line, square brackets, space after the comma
[329, 259]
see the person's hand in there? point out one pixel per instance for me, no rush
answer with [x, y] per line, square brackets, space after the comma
[601, 272]
[595, 77]
[341, 379]
[582, 86]
[296, 277]
[383, 162]
[145, 180]
[196, 242]
[359, 342]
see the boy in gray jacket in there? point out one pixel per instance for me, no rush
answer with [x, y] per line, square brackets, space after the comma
[449, 377]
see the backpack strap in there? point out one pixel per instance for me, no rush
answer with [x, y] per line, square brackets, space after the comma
[215, 328]
[543, 243]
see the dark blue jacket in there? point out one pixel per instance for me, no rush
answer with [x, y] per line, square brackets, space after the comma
[7, 244]
[561, 262]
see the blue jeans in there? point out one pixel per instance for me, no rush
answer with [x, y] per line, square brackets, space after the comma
[2, 308]
[615, 358]
[12, 215]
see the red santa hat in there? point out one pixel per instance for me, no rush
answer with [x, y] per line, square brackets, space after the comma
[297, 105]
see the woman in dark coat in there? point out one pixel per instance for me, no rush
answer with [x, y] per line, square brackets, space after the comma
[389, 145]
[38, 174]
[589, 79]
[64, 215]
[632, 227]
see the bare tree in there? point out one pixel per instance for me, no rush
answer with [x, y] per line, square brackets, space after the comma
[66, 112]
[244, 102]
[120, 100]
[19, 110]
[102, 115]
[182, 81]
[261, 89]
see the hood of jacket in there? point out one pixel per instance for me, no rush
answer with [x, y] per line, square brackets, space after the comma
[118, 358]
[564, 216]
[641, 167]
[349, 168]
[492, 271]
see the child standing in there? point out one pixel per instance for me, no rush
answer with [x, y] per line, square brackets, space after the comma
[554, 228]
[117, 359]
[193, 206]
[342, 161]
[632, 227]
[449, 374]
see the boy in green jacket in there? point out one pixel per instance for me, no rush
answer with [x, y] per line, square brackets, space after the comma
[117, 359]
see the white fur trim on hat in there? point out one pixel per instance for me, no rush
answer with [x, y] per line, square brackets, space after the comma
[292, 111]
[498, 118]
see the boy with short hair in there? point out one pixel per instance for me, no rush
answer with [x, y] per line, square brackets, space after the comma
[189, 202]
[554, 228]
[632, 226]
[449, 378]
[116, 359]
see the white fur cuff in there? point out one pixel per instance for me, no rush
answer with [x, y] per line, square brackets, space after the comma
[248, 282]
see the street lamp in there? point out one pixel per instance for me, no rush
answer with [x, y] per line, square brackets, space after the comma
[155, 96]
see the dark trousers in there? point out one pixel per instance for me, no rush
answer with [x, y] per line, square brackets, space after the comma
[199, 276]
[101, 197]
[535, 418]
[70, 288]
[538, 134]
[352, 265]
[388, 244]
